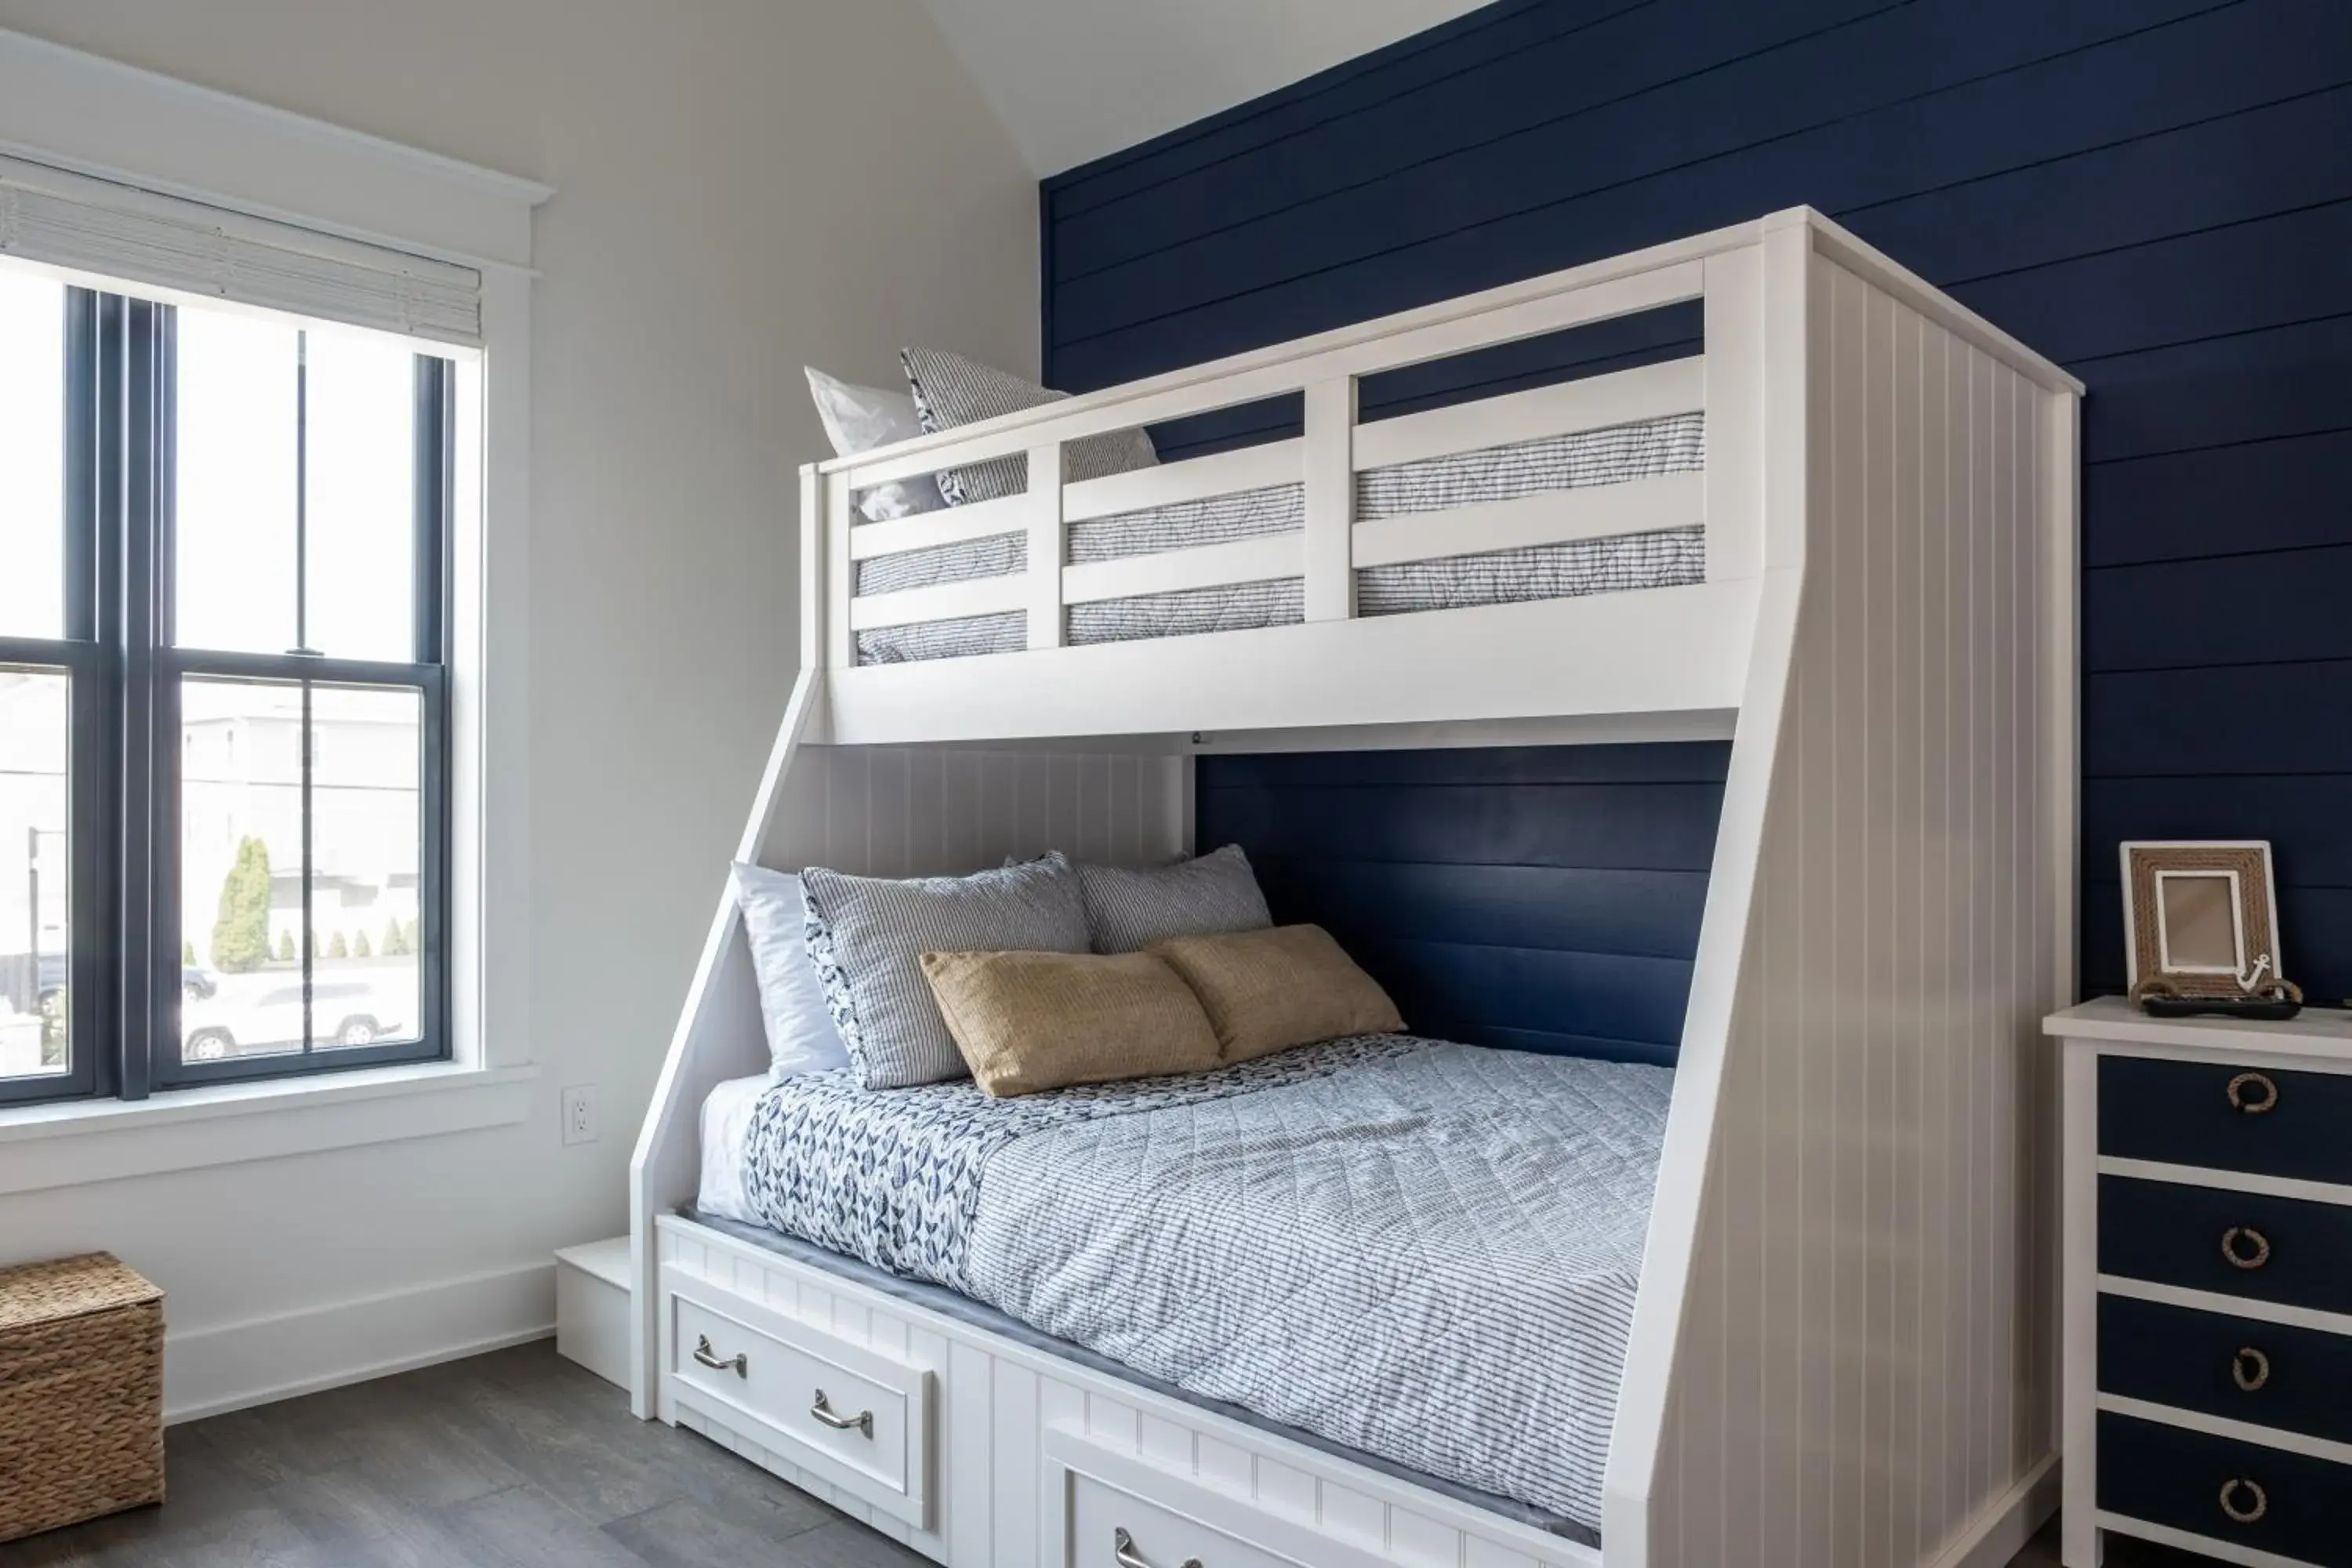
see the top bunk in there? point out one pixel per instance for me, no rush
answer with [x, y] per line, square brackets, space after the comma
[1591, 550]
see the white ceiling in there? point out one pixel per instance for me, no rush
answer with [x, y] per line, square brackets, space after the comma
[1073, 80]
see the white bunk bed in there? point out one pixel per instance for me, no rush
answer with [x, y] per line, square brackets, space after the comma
[1841, 1348]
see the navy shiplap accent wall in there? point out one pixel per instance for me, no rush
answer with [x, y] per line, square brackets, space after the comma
[2158, 193]
[1542, 897]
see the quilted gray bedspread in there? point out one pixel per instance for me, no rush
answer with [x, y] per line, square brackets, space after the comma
[1422, 1250]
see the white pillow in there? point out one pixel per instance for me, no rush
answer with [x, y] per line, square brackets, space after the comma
[801, 1034]
[952, 390]
[860, 419]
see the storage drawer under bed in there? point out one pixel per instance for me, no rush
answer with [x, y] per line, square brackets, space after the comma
[861, 1420]
[1114, 1509]
[1110, 1526]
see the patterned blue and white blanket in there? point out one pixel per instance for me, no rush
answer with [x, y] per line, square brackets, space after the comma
[1421, 1250]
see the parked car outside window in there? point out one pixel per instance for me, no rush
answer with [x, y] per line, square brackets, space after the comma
[242, 1015]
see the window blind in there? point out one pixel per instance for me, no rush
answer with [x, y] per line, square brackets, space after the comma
[118, 231]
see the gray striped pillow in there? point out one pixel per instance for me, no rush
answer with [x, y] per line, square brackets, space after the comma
[867, 936]
[1210, 895]
[952, 390]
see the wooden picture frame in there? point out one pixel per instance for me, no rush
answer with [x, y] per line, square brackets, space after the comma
[2201, 915]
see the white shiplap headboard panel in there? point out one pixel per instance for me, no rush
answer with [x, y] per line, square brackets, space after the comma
[1861, 1361]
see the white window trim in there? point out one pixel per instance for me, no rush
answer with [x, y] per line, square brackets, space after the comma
[67, 1144]
[96, 117]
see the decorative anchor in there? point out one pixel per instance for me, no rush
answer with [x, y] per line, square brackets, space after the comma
[2280, 998]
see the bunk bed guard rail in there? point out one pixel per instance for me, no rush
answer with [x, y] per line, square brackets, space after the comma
[1333, 543]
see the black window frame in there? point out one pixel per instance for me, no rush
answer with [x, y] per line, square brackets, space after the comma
[125, 751]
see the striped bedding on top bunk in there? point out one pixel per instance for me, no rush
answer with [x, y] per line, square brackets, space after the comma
[1585, 458]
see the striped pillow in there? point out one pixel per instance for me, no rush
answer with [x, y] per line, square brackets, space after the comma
[867, 935]
[952, 390]
[1216, 893]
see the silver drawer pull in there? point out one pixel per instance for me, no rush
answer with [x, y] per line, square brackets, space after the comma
[2254, 1093]
[2245, 1247]
[735, 1363]
[2243, 1500]
[2250, 1368]
[1123, 1552]
[862, 1421]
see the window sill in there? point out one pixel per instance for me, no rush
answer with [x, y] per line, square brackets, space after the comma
[66, 1146]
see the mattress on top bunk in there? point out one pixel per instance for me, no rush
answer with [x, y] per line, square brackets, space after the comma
[1583, 459]
[1421, 1251]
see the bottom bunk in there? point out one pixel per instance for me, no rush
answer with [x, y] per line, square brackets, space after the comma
[976, 1448]
[1408, 1249]
[1352, 1297]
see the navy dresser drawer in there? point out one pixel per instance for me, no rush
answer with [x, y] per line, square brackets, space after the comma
[2288, 1504]
[2227, 1118]
[2285, 1250]
[2295, 1380]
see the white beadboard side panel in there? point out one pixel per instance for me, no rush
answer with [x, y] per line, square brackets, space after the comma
[1001, 1494]
[1865, 1368]
[718, 1036]
[920, 811]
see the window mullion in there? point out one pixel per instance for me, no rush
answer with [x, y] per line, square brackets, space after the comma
[93, 472]
[435, 498]
[302, 529]
[306, 749]
[437, 479]
[147, 985]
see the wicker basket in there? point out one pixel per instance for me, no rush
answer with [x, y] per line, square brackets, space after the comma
[81, 1393]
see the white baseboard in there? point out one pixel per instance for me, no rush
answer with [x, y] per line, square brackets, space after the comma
[209, 1371]
[2001, 1531]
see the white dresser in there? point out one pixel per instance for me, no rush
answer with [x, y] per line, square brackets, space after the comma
[2208, 1242]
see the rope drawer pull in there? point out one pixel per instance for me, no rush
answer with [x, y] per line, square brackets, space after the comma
[2250, 1368]
[2265, 1097]
[2247, 1235]
[1123, 1551]
[2247, 1512]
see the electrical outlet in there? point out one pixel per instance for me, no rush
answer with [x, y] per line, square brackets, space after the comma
[580, 1113]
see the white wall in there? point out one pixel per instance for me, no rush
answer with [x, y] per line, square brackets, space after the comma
[743, 185]
[1079, 80]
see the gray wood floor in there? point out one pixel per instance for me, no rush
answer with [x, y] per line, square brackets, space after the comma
[514, 1460]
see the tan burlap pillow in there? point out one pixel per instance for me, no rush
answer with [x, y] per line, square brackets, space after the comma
[1027, 1021]
[1266, 990]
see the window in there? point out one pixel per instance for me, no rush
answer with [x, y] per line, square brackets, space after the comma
[224, 692]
